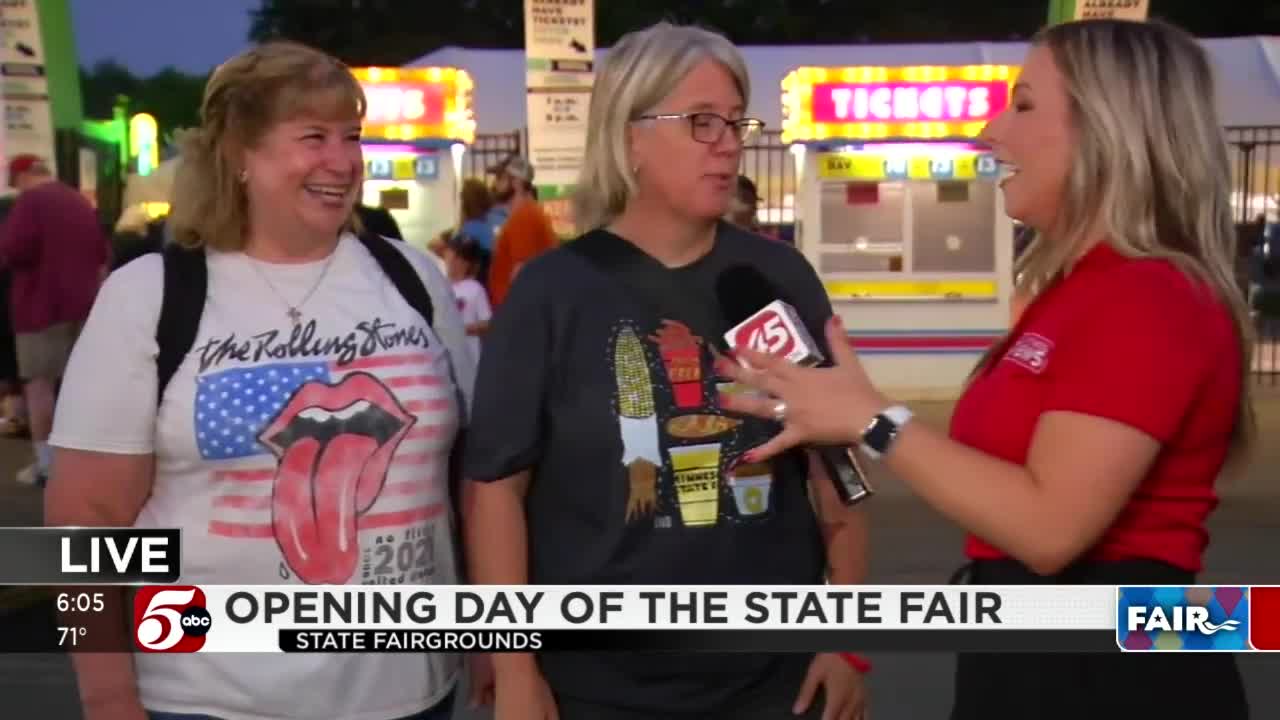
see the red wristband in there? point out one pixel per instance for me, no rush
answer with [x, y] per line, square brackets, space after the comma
[858, 662]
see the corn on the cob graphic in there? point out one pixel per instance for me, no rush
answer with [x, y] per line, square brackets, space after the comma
[638, 421]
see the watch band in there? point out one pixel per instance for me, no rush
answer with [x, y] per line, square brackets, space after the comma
[883, 430]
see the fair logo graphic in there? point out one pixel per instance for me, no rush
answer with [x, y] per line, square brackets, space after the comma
[1182, 618]
[170, 619]
[1031, 351]
[766, 332]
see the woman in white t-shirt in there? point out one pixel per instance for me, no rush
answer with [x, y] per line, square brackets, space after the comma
[316, 405]
[463, 259]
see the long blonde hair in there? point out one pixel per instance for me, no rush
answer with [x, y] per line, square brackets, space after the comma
[640, 70]
[1150, 167]
[245, 97]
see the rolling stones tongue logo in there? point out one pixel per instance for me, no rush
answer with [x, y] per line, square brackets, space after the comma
[334, 444]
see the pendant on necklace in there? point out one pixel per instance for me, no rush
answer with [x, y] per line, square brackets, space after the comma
[295, 315]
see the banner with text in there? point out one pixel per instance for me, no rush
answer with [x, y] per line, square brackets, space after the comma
[28, 126]
[738, 618]
[560, 71]
[1068, 10]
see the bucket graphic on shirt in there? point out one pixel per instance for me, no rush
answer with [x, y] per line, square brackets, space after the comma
[751, 483]
[697, 477]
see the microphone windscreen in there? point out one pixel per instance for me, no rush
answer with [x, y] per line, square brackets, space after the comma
[743, 291]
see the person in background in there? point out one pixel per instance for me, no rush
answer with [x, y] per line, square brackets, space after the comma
[1088, 442]
[463, 261]
[56, 254]
[744, 204]
[477, 224]
[597, 453]
[527, 231]
[13, 415]
[265, 460]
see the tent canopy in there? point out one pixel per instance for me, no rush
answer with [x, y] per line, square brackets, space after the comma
[1248, 70]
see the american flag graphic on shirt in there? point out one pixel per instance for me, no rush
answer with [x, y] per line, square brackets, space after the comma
[344, 466]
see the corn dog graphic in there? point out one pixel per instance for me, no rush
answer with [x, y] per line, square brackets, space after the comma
[638, 423]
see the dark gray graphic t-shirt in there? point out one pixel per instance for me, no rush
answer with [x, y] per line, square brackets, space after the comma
[638, 475]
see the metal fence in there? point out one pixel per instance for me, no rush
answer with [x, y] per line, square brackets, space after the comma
[769, 164]
[1255, 180]
[488, 150]
[1255, 172]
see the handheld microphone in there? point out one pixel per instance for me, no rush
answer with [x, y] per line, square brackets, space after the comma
[763, 321]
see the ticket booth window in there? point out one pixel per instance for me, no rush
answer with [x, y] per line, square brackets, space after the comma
[862, 227]
[953, 227]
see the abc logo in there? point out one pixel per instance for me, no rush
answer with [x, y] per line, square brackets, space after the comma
[767, 332]
[170, 619]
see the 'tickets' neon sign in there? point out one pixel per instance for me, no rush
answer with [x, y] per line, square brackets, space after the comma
[416, 104]
[909, 102]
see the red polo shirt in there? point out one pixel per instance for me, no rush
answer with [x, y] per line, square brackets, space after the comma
[53, 245]
[1138, 342]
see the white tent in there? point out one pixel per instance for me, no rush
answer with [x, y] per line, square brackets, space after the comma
[1248, 70]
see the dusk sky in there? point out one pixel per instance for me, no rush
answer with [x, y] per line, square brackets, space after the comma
[147, 35]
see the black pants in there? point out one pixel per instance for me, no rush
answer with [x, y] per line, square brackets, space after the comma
[1074, 686]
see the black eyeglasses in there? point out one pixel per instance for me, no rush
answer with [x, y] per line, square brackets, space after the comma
[708, 127]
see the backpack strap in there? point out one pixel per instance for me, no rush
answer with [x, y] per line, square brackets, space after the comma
[186, 283]
[401, 273]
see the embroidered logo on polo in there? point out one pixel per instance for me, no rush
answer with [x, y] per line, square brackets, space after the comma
[1031, 351]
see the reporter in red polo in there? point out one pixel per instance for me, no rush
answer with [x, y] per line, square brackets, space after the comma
[1086, 445]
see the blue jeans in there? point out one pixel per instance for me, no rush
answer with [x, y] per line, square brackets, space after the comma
[442, 710]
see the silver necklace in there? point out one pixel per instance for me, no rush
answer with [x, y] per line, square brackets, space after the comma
[295, 315]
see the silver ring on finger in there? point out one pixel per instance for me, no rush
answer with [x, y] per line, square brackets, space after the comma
[780, 411]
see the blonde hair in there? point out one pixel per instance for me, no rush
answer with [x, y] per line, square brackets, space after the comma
[1150, 168]
[244, 98]
[644, 67]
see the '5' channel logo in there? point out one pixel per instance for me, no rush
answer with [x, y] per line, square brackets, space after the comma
[766, 332]
[170, 619]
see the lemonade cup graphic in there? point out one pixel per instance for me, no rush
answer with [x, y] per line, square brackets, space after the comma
[697, 476]
[750, 483]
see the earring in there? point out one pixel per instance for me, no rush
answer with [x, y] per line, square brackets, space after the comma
[243, 176]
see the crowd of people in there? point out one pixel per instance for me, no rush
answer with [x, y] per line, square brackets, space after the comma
[247, 360]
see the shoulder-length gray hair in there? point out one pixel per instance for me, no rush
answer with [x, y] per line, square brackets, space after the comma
[639, 71]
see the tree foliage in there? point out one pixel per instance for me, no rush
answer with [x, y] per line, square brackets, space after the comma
[390, 32]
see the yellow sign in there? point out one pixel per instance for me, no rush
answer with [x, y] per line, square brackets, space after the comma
[1111, 9]
[417, 103]
[941, 289]
[856, 166]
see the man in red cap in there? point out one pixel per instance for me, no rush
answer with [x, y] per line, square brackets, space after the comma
[57, 253]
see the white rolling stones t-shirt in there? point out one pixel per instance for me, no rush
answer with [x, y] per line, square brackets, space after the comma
[315, 454]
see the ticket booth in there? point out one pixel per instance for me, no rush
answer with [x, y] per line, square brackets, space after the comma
[418, 126]
[899, 211]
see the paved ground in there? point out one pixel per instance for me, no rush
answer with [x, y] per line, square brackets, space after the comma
[910, 545]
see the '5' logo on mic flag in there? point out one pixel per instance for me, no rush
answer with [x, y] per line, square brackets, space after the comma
[1183, 618]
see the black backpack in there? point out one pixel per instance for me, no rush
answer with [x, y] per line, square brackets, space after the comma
[186, 283]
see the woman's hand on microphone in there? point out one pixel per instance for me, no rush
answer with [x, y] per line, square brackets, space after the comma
[823, 406]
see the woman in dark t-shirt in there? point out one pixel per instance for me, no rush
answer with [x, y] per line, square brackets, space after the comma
[597, 452]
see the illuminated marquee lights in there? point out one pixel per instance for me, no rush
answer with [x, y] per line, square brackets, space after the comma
[893, 103]
[407, 104]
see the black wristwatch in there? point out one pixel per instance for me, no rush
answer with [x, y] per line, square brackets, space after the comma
[883, 429]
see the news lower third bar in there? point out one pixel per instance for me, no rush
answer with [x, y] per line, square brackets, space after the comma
[710, 641]
[89, 556]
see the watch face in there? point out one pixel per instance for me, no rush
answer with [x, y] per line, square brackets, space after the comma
[880, 433]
